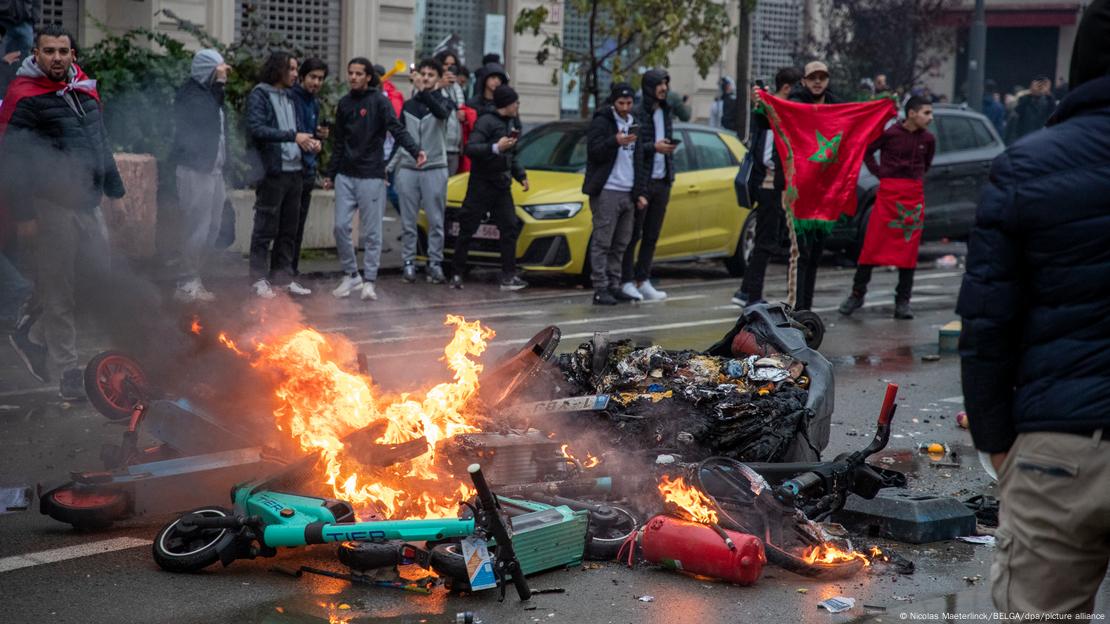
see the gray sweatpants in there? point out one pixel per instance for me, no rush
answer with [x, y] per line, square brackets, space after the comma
[66, 238]
[613, 214]
[425, 188]
[200, 197]
[367, 196]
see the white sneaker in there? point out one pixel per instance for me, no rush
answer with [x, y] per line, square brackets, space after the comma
[628, 288]
[368, 291]
[349, 283]
[193, 290]
[262, 289]
[297, 289]
[650, 294]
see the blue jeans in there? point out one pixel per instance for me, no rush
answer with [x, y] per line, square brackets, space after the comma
[18, 37]
[14, 289]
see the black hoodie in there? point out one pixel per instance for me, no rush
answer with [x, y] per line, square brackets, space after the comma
[361, 120]
[478, 101]
[601, 151]
[644, 112]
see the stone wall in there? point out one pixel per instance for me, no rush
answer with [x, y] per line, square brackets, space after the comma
[132, 221]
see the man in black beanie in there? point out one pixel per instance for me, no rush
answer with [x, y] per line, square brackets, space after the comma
[489, 191]
[1037, 288]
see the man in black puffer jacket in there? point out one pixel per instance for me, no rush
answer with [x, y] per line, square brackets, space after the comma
[1035, 347]
[57, 165]
[494, 166]
[200, 151]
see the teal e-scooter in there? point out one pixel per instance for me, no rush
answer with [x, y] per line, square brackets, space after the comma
[265, 520]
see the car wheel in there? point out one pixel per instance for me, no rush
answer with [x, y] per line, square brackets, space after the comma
[738, 261]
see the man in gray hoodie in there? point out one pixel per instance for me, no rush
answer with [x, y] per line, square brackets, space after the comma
[200, 151]
[425, 116]
[274, 132]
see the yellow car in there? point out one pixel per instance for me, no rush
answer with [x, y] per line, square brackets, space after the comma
[703, 219]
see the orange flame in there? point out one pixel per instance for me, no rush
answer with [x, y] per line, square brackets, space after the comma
[590, 461]
[690, 499]
[320, 402]
[828, 553]
[195, 326]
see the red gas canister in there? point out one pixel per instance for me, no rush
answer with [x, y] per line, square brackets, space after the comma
[698, 549]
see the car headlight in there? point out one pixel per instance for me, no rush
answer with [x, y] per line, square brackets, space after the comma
[553, 211]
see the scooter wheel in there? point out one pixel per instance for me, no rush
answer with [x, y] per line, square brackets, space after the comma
[447, 561]
[812, 326]
[363, 556]
[180, 550]
[114, 383]
[606, 542]
[87, 509]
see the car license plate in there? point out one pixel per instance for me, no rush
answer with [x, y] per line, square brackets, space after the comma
[486, 231]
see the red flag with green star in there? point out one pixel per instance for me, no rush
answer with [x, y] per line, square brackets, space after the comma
[821, 148]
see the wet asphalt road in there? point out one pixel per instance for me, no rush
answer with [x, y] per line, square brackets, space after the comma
[42, 439]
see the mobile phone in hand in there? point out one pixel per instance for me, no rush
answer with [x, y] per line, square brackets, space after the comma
[634, 129]
[514, 133]
[675, 142]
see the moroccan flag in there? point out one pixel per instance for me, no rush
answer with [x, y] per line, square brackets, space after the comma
[821, 147]
[894, 229]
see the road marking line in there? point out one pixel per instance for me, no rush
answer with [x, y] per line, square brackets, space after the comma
[956, 399]
[875, 304]
[933, 276]
[7, 564]
[627, 330]
[602, 319]
[39, 390]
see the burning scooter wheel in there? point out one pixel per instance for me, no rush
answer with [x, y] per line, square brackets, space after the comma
[114, 383]
[189, 549]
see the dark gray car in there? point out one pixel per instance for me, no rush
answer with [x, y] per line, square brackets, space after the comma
[966, 145]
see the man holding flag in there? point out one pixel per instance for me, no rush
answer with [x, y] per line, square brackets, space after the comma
[894, 229]
[821, 146]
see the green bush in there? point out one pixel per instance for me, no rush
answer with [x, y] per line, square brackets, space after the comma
[139, 72]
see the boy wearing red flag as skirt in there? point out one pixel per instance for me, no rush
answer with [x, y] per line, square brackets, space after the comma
[894, 230]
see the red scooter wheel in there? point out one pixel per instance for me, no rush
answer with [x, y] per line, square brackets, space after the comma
[114, 383]
[86, 508]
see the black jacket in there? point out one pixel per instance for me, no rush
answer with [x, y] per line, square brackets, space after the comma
[478, 101]
[265, 135]
[644, 112]
[485, 166]
[1035, 300]
[759, 127]
[56, 148]
[601, 151]
[1030, 115]
[196, 139]
[361, 120]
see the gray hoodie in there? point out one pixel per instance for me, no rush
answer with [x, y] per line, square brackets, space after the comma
[287, 120]
[203, 71]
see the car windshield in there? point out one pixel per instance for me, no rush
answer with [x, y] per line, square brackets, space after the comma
[554, 148]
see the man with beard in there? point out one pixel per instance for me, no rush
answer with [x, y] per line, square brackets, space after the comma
[52, 122]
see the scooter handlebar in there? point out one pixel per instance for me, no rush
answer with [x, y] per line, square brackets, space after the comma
[886, 414]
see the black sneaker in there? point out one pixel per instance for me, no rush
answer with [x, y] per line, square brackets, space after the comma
[435, 274]
[513, 283]
[851, 304]
[456, 281]
[740, 298]
[33, 355]
[408, 274]
[619, 295]
[902, 310]
[604, 297]
[72, 386]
